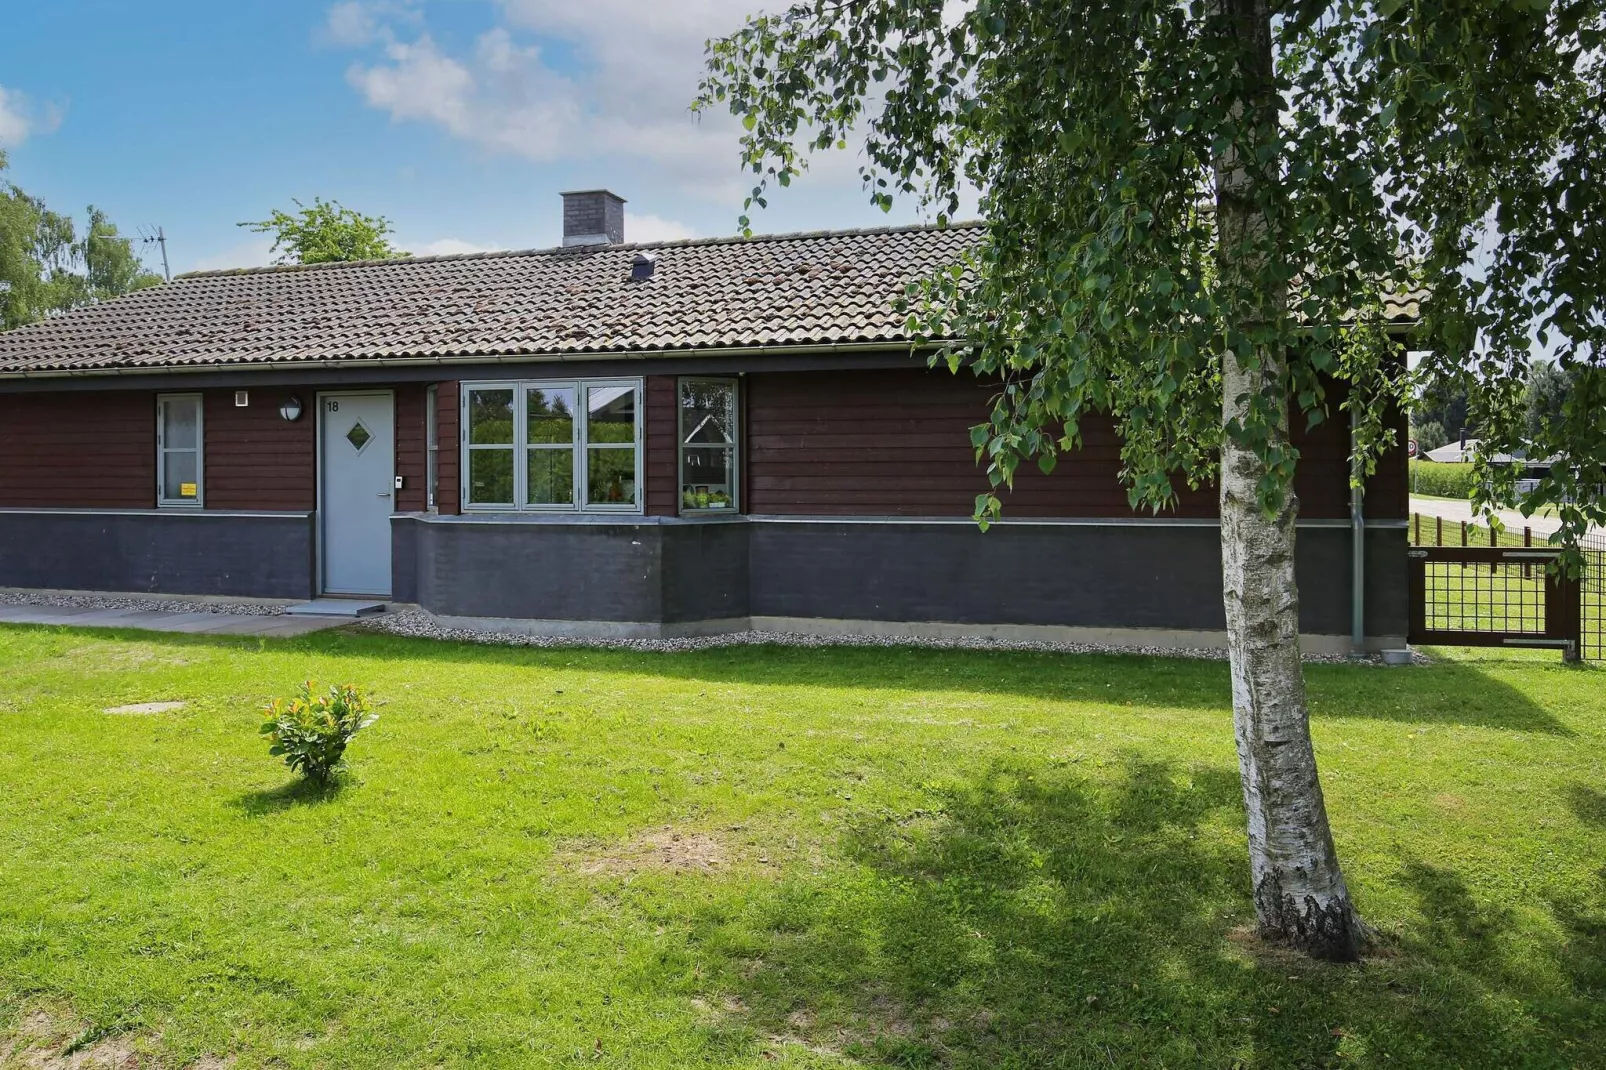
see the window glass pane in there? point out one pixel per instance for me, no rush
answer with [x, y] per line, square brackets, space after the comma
[490, 418]
[708, 412]
[179, 482]
[551, 415]
[611, 476]
[550, 480]
[611, 414]
[432, 454]
[490, 477]
[180, 419]
[706, 478]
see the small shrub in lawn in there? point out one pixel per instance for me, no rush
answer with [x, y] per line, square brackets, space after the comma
[311, 731]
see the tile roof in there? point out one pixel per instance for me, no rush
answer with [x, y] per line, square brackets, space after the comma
[793, 289]
[822, 288]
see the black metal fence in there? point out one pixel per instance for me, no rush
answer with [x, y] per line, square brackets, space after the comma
[1472, 585]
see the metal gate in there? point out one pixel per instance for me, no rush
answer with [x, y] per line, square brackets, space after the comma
[1493, 596]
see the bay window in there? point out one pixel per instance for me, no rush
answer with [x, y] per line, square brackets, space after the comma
[708, 453]
[178, 449]
[552, 446]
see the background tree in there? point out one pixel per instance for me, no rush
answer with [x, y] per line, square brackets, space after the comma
[326, 232]
[1429, 436]
[1439, 414]
[46, 268]
[1546, 397]
[1193, 213]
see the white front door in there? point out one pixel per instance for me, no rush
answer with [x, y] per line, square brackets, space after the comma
[357, 491]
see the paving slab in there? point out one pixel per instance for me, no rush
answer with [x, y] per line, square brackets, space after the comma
[335, 607]
[25, 614]
[279, 627]
[52, 611]
[180, 621]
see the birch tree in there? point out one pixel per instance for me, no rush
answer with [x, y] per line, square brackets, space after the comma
[1194, 213]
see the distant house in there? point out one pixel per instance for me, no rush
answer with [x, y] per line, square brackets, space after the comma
[1453, 452]
[607, 439]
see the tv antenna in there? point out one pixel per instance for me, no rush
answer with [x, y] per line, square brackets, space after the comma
[160, 238]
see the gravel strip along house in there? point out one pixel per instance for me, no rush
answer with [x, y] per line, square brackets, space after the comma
[611, 440]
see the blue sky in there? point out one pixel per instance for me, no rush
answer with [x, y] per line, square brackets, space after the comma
[460, 120]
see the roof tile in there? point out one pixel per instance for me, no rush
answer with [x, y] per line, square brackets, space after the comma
[793, 289]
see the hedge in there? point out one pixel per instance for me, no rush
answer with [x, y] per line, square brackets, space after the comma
[1441, 480]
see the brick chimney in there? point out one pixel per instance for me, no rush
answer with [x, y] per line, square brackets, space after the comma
[593, 217]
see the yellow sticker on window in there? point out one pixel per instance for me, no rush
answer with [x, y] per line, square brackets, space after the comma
[186, 490]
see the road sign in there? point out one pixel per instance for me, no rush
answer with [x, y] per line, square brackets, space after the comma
[1410, 448]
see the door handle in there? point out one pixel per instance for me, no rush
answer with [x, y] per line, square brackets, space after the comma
[384, 494]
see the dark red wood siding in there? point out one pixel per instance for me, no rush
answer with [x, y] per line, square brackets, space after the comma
[897, 443]
[660, 439]
[412, 447]
[254, 458]
[867, 443]
[446, 493]
[91, 449]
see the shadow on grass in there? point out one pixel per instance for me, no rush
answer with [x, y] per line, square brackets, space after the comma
[1048, 918]
[1457, 693]
[1588, 805]
[292, 793]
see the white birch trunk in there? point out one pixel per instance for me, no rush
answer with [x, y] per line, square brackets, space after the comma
[1299, 891]
[1300, 896]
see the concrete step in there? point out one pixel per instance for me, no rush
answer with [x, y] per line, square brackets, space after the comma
[335, 607]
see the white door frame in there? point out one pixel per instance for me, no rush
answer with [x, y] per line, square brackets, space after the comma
[322, 512]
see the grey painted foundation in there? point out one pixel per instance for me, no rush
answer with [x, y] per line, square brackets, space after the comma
[154, 551]
[1133, 582]
[1138, 582]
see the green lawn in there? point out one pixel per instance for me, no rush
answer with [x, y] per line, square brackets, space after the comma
[758, 856]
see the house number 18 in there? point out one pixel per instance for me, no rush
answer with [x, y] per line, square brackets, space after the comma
[334, 406]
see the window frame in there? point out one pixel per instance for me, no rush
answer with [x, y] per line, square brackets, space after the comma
[579, 447]
[521, 464]
[162, 450]
[735, 447]
[432, 445]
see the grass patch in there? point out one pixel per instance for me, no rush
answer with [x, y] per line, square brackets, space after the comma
[759, 856]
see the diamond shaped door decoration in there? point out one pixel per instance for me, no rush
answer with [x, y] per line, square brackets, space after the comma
[358, 436]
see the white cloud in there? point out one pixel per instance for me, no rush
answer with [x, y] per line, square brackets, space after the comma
[354, 23]
[609, 82]
[507, 99]
[19, 118]
[448, 247]
[627, 92]
[646, 228]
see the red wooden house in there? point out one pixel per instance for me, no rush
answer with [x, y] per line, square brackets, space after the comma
[607, 439]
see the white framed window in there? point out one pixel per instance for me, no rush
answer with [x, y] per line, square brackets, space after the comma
[552, 446]
[179, 448]
[708, 450]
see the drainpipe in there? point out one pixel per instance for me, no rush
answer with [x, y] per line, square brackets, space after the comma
[1357, 522]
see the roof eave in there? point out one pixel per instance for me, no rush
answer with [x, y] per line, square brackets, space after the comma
[339, 363]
